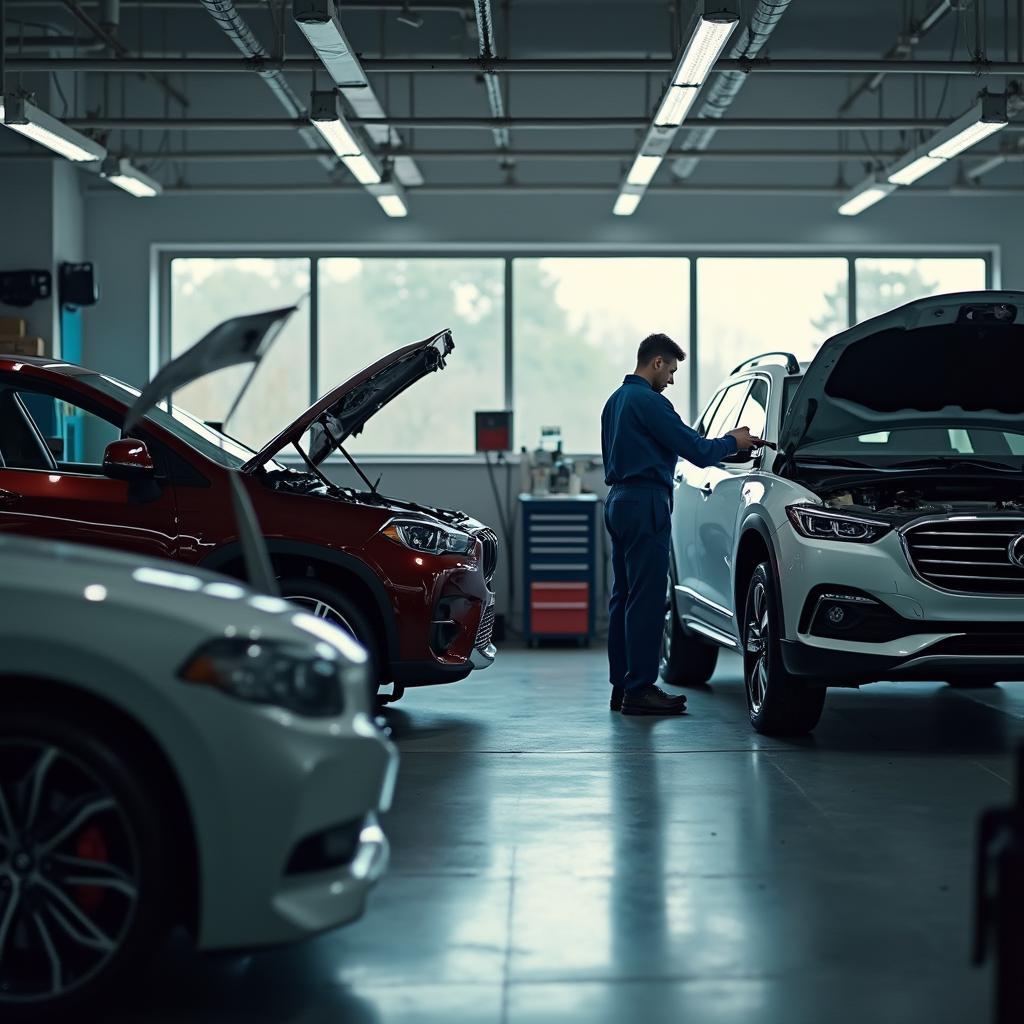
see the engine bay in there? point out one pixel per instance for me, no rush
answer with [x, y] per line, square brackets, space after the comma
[901, 500]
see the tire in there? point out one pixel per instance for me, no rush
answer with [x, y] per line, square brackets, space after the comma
[66, 944]
[685, 660]
[779, 704]
[972, 683]
[327, 602]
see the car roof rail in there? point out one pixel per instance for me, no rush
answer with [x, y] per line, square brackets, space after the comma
[792, 363]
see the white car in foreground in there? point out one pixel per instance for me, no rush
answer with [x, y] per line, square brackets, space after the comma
[174, 748]
[884, 539]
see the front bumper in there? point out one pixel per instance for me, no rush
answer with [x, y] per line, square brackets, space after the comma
[943, 635]
[277, 780]
[443, 609]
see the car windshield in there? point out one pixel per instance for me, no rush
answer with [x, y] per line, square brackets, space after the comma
[224, 450]
[908, 445]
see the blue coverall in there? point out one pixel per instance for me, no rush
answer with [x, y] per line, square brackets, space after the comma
[642, 437]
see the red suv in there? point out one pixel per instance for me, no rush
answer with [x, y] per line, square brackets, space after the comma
[412, 584]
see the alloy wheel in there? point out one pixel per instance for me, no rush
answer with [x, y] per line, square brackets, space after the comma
[756, 648]
[323, 610]
[69, 872]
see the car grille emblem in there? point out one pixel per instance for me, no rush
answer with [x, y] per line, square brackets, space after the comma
[1016, 551]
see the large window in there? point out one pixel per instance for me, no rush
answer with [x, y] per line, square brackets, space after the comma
[576, 327]
[751, 305]
[884, 284]
[206, 291]
[370, 307]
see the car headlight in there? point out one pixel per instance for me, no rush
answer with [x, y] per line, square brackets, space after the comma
[817, 524]
[302, 679]
[430, 538]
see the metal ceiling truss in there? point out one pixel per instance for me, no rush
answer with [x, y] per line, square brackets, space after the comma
[394, 160]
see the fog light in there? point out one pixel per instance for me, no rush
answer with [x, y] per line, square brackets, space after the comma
[836, 615]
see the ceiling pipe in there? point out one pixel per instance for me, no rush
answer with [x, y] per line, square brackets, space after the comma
[488, 52]
[732, 124]
[116, 46]
[725, 88]
[234, 26]
[901, 49]
[528, 65]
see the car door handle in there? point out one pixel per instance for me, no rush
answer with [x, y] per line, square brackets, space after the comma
[8, 498]
[706, 490]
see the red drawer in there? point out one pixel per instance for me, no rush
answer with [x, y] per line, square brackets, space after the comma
[560, 608]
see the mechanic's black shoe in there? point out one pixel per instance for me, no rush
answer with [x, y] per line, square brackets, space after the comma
[616, 702]
[651, 700]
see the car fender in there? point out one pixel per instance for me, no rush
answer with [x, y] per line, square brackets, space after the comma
[755, 520]
[232, 552]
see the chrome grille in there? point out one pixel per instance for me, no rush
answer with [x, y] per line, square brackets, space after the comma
[967, 555]
[486, 629]
[489, 539]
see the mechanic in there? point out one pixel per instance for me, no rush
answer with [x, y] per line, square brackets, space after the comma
[642, 437]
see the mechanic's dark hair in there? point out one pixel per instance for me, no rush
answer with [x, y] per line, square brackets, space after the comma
[655, 345]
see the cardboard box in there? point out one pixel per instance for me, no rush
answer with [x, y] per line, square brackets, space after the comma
[12, 327]
[18, 346]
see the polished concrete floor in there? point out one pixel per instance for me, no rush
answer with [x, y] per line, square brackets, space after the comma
[555, 862]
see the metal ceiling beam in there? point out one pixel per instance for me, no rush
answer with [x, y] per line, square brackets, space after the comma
[901, 49]
[553, 155]
[680, 191]
[735, 124]
[116, 46]
[497, 65]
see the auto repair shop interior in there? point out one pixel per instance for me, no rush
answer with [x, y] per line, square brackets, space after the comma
[309, 310]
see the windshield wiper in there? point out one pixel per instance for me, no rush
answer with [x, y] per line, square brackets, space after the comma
[955, 464]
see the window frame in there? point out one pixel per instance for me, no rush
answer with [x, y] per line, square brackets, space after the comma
[69, 396]
[163, 254]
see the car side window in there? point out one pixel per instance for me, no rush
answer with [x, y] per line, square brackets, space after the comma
[22, 446]
[76, 437]
[727, 413]
[702, 423]
[754, 413]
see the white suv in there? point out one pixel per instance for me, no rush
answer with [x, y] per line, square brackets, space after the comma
[884, 539]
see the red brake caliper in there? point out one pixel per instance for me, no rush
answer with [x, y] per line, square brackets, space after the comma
[91, 846]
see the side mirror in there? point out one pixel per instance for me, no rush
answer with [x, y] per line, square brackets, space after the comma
[128, 459]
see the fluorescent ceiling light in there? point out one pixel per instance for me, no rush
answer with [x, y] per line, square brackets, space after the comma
[338, 137]
[626, 204]
[866, 194]
[985, 118]
[710, 35]
[325, 116]
[27, 119]
[643, 170]
[318, 20]
[965, 138]
[916, 168]
[676, 105]
[122, 174]
[392, 205]
[363, 169]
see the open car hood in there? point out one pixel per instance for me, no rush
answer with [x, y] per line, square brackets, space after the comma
[946, 361]
[242, 339]
[343, 412]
